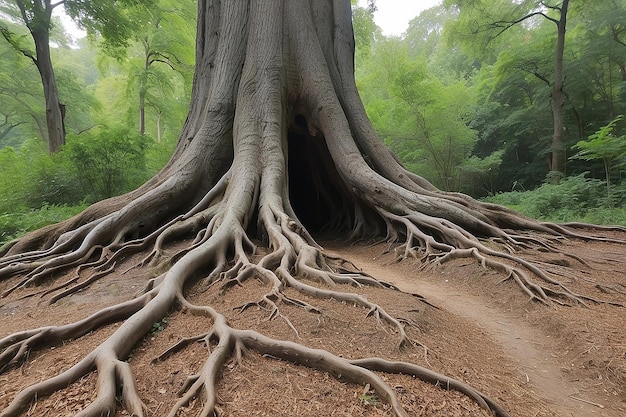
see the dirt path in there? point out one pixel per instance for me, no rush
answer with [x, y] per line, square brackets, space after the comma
[529, 348]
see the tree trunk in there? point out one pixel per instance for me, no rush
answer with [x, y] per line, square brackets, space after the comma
[55, 112]
[276, 148]
[559, 155]
[143, 88]
[158, 126]
[39, 26]
[142, 113]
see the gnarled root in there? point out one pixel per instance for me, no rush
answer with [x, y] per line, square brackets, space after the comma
[15, 347]
[231, 341]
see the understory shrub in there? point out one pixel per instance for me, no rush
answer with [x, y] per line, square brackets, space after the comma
[108, 161]
[37, 189]
[576, 198]
[15, 224]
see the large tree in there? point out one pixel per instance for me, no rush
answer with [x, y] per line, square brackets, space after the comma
[277, 146]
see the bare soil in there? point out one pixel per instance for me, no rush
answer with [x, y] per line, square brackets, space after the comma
[535, 360]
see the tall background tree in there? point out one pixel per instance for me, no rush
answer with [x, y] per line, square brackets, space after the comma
[36, 15]
[487, 20]
[162, 47]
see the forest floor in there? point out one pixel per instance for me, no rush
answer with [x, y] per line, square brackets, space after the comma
[535, 360]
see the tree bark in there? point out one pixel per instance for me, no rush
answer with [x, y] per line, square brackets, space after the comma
[142, 112]
[39, 26]
[559, 154]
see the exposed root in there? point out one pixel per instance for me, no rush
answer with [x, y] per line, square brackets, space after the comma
[426, 375]
[78, 286]
[181, 344]
[230, 342]
[464, 245]
[15, 347]
[291, 252]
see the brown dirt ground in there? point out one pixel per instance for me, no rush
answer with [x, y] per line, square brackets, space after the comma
[536, 361]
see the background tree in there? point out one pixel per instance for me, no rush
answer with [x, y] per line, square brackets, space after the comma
[365, 30]
[513, 115]
[157, 67]
[37, 17]
[103, 16]
[401, 80]
[165, 39]
[422, 119]
[489, 20]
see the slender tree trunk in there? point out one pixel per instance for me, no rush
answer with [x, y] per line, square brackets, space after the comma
[39, 27]
[55, 111]
[607, 171]
[159, 132]
[610, 93]
[143, 87]
[559, 157]
[142, 113]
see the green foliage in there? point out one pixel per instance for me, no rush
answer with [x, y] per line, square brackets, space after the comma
[576, 198]
[31, 179]
[422, 119]
[13, 183]
[108, 161]
[52, 180]
[158, 326]
[479, 175]
[74, 71]
[108, 18]
[365, 30]
[22, 111]
[15, 224]
[368, 396]
[520, 130]
[36, 189]
[605, 146]
[369, 399]
[98, 164]
[152, 76]
[158, 154]
[481, 23]
[104, 155]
